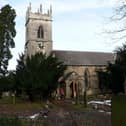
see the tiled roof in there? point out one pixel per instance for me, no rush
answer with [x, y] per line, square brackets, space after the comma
[83, 58]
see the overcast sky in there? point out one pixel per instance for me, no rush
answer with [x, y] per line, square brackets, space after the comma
[77, 24]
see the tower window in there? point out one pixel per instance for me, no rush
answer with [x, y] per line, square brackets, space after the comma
[40, 33]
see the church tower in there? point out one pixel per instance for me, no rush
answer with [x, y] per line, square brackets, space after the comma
[38, 31]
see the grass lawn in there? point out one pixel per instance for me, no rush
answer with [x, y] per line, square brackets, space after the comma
[119, 110]
[57, 108]
[14, 121]
[23, 107]
[20, 107]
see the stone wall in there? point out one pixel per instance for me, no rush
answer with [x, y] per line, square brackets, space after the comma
[78, 79]
[33, 22]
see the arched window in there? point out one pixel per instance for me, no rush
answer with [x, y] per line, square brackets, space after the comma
[40, 33]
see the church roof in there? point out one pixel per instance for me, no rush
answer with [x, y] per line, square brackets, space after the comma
[84, 58]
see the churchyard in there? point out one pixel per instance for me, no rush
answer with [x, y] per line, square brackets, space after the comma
[41, 71]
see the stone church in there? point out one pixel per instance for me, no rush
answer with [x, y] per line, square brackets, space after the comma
[81, 70]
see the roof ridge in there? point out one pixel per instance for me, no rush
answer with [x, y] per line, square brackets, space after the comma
[75, 51]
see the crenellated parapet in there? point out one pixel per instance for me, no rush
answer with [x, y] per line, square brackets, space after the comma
[40, 14]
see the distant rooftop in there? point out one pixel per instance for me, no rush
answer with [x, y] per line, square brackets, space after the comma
[84, 58]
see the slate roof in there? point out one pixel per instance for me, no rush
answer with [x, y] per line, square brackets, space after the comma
[84, 58]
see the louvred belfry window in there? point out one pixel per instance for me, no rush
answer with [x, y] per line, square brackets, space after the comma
[40, 33]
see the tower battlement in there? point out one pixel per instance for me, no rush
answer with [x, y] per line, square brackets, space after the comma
[39, 14]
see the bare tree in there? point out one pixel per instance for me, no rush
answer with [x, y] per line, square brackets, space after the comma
[118, 31]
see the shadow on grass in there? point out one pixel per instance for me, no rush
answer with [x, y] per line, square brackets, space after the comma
[119, 110]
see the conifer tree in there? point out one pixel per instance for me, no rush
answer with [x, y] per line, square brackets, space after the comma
[7, 34]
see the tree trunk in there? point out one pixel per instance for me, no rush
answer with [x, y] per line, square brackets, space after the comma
[85, 98]
[30, 96]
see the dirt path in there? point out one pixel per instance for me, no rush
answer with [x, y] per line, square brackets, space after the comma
[67, 116]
